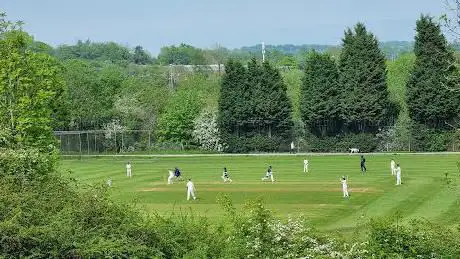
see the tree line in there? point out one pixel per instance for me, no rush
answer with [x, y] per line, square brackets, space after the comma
[352, 98]
[344, 102]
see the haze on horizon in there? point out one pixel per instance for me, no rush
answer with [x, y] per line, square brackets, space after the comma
[203, 23]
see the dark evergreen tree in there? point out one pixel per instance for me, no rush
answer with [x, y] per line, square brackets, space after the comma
[319, 95]
[274, 107]
[429, 100]
[231, 100]
[254, 109]
[362, 76]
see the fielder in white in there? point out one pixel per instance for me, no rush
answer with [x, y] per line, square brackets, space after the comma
[398, 175]
[170, 177]
[190, 190]
[344, 187]
[226, 176]
[128, 169]
[393, 167]
[269, 175]
[305, 166]
[109, 182]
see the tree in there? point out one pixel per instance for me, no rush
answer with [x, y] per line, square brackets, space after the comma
[176, 124]
[430, 102]
[362, 76]
[255, 112]
[230, 98]
[181, 55]
[141, 57]
[320, 95]
[93, 88]
[30, 85]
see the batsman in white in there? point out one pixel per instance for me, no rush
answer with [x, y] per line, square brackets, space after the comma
[190, 189]
[398, 175]
[393, 167]
[226, 176]
[128, 169]
[170, 177]
[269, 175]
[344, 187]
[305, 166]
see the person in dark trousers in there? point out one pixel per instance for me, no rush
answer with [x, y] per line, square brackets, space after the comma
[177, 174]
[363, 165]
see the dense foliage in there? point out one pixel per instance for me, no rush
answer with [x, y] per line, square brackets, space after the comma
[320, 95]
[362, 77]
[429, 99]
[255, 112]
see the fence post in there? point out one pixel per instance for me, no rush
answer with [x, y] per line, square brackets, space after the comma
[87, 141]
[95, 142]
[116, 146]
[79, 140]
[122, 143]
[149, 141]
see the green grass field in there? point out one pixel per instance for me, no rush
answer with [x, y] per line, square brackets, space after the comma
[317, 195]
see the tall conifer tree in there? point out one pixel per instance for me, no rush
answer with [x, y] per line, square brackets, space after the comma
[362, 77]
[429, 100]
[320, 103]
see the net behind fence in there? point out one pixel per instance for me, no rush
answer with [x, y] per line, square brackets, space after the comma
[100, 141]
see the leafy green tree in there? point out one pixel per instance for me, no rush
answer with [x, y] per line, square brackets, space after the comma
[93, 88]
[142, 97]
[320, 95]
[181, 55]
[107, 51]
[141, 57]
[30, 85]
[429, 99]
[176, 124]
[362, 76]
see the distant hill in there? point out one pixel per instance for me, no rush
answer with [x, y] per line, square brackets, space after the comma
[391, 49]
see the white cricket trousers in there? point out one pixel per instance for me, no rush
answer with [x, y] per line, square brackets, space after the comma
[128, 172]
[170, 179]
[398, 180]
[190, 193]
[393, 171]
[305, 168]
[345, 192]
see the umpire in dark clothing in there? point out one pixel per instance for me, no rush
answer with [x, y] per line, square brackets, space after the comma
[363, 164]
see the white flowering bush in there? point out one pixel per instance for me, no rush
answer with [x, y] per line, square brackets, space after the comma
[111, 129]
[255, 233]
[206, 131]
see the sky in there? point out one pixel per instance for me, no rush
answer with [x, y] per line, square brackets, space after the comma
[203, 23]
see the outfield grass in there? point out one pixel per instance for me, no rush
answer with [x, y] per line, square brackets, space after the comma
[317, 195]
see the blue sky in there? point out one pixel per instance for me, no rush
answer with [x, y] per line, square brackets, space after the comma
[202, 23]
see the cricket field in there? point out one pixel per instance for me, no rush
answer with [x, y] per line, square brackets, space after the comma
[430, 185]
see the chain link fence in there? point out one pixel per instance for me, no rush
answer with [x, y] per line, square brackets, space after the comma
[101, 141]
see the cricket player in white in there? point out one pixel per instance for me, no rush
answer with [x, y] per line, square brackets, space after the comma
[393, 167]
[269, 175]
[109, 182]
[344, 187]
[170, 177]
[225, 176]
[190, 190]
[128, 169]
[305, 166]
[398, 175]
